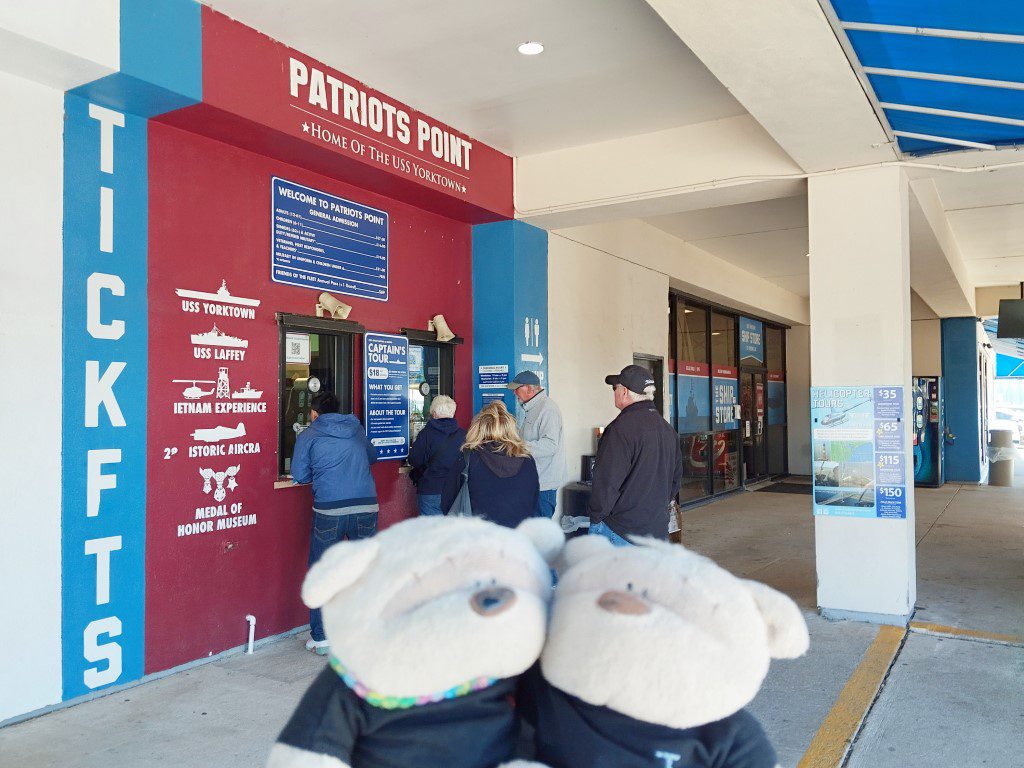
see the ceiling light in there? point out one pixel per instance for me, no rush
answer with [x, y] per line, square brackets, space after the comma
[531, 49]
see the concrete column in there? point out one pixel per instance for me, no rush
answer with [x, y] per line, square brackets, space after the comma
[966, 460]
[510, 307]
[860, 336]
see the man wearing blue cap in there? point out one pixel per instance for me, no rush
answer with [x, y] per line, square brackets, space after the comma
[540, 426]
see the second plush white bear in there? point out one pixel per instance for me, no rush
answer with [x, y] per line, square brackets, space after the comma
[652, 653]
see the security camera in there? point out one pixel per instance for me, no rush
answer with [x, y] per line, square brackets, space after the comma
[440, 325]
[337, 309]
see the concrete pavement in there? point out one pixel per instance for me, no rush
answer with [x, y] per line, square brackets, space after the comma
[944, 702]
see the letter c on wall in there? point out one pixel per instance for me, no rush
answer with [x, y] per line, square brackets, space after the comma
[97, 282]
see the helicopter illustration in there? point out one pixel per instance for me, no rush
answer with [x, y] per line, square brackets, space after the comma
[836, 416]
[194, 392]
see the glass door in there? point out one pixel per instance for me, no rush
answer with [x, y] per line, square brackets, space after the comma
[752, 424]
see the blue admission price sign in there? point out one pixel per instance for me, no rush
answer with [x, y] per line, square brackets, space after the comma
[386, 393]
[859, 458]
[328, 243]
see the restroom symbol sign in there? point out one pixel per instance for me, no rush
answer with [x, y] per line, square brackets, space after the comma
[531, 331]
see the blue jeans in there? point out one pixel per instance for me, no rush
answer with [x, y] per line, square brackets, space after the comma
[328, 530]
[600, 529]
[546, 503]
[429, 503]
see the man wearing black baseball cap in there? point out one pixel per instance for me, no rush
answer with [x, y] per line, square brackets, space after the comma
[638, 467]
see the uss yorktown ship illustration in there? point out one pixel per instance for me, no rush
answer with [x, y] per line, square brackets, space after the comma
[222, 296]
[215, 337]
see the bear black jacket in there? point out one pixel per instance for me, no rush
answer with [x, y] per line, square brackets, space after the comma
[570, 733]
[637, 473]
[477, 730]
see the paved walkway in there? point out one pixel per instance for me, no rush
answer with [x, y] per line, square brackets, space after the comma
[931, 700]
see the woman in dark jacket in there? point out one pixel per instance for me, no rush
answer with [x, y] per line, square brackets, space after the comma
[503, 482]
[435, 454]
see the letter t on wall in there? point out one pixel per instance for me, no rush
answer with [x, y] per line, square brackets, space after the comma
[102, 549]
[108, 119]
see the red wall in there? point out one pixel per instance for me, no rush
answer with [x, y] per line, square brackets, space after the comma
[209, 219]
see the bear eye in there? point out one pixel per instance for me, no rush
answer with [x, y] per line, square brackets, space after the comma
[644, 593]
[494, 582]
[629, 586]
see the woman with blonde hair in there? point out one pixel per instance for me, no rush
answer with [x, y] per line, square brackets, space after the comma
[503, 482]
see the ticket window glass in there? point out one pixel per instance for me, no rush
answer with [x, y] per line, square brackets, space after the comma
[312, 361]
[431, 373]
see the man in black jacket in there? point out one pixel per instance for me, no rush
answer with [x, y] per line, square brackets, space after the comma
[638, 467]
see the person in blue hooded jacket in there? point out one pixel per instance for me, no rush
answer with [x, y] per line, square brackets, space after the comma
[334, 454]
[436, 453]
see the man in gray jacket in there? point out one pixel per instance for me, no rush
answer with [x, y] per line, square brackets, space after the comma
[540, 426]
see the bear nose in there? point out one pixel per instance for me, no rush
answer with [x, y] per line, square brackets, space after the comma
[614, 601]
[492, 601]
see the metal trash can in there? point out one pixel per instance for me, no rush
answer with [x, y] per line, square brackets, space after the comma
[1000, 457]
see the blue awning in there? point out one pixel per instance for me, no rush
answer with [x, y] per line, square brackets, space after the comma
[947, 74]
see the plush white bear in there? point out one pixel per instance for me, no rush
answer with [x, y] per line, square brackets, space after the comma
[653, 651]
[430, 623]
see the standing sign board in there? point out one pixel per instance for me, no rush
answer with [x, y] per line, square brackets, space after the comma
[386, 393]
[858, 452]
[328, 243]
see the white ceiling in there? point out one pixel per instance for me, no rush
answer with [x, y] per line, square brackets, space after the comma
[611, 68]
[767, 238]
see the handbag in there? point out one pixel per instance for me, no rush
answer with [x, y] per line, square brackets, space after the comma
[417, 473]
[462, 507]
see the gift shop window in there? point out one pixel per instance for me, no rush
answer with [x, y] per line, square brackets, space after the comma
[316, 356]
[706, 385]
[431, 373]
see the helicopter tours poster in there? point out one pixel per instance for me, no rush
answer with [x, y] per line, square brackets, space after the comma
[858, 452]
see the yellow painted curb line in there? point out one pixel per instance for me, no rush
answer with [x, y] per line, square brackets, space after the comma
[940, 629]
[829, 745]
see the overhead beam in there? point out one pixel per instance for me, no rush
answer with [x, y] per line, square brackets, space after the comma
[782, 60]
[692, 269]
[938, 272]
[721, 162]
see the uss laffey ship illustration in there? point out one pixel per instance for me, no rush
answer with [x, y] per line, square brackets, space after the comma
[215, 337]
[222, 296]
[247, 393]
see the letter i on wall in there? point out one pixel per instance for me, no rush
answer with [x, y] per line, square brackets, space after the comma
[104, 402]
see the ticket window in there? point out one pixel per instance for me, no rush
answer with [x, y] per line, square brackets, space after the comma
[431, 373]
[313, 360]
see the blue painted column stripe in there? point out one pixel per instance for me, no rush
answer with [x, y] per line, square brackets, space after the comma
[510, 303]
[161, 59]
[105, 332]
[964, 458]
[162, 45]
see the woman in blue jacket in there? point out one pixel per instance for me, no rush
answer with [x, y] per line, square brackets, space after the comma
[503, 482]
[435, 454]
[334, 455]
